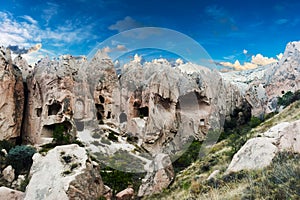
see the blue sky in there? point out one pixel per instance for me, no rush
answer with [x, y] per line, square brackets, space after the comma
[224, 28]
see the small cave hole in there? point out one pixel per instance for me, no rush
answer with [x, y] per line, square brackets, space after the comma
[143, 111]
[101, 98]
[54, 108]
[38, 112]
[108, 115]
[202, 122]
[79, 125]
[123, 117]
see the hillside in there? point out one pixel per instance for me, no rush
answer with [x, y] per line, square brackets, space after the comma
[206, 178]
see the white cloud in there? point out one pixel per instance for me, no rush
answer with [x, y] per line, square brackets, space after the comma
[125, 24]
[121, 47]
[256, 61]
[27, 33]
[260, 60]
[245, 51]
[13, 32]
[29, 19]
[50, 11]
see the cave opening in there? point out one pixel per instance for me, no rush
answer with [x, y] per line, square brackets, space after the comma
[123, 117]
[38, 112]
[48, 130]
[100, 112]
[143, 111]
[54, 108]
[101, 98]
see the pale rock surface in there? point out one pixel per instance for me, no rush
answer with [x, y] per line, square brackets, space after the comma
[126, 194]
[17, 183]
[264, 84]
[107, 193]
[213, 175]
[160, 175]
[9, 173]
[64, 173]
[259, 152]
[26, 69]
[10, 194]
[11, 97]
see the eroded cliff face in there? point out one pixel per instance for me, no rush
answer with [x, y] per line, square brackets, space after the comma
[11, 97]
[263, 85]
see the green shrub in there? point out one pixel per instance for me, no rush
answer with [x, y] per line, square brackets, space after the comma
[119, 180]
[188, 157]
[61, 135]
[254, 122]
[112, 137]
[286, 99]
[4, 144]
[20, 158]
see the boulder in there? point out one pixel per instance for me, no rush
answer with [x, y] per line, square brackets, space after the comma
[258, 152]
[10, 194]
[11, 98]
[64, 173]
[160, 175]
[107, 193]
[126, 194]
[9, 173]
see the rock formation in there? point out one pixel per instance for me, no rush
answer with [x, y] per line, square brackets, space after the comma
[9, 194]
[263, 85]
[259, 152]
[52, 99]
[159, 176]
[64, 173]
[11, 97]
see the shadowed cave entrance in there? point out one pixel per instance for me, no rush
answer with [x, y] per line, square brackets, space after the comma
[48, 130]
[54, 108]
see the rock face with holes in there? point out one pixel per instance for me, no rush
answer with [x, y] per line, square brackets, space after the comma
[263, 85]
[52, 99]
[64, 173]
[165, 106]
[11, 97]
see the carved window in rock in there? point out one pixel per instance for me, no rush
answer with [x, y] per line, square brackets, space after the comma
[54, 108]
[100, 112]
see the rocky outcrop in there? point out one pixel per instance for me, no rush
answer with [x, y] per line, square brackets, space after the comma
[64, 173]
[258, 152]
[8, 173]
[160, 175]
[126, 194]
[11, 97]
[263, 85]
[51, 99]
[9, 194]
[22, 64]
